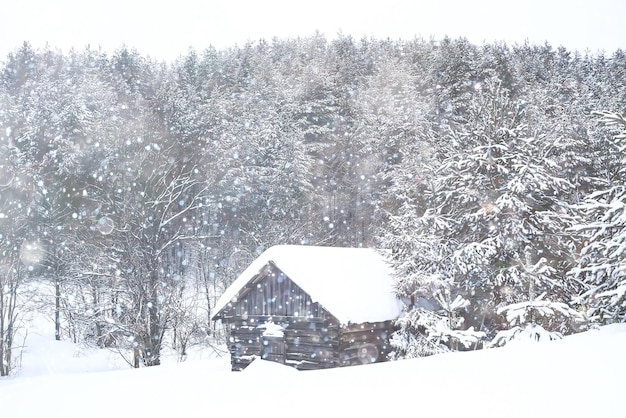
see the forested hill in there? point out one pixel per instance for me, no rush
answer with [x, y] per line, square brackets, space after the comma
[132, 184]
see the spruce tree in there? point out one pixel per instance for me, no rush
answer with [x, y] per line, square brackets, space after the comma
[484, 227]
[601, 265]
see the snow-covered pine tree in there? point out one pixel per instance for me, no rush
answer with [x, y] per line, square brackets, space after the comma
[432, 322]
[476, 226]
[601, 265]
[529, 319]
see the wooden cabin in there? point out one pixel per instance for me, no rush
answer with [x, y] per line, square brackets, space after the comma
[311, 308]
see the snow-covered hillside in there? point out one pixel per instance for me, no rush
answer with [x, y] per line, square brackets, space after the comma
[579, 376]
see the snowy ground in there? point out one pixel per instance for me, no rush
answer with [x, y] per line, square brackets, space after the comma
[580, 376]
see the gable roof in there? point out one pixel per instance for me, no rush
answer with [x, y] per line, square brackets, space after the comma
[353, 284]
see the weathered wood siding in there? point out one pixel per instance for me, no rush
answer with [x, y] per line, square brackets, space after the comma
[244, 344]
[309, 343]
[364, 343]
[272, 293]
[312, 344]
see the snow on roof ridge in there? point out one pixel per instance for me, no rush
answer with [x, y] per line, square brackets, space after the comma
[353, 284]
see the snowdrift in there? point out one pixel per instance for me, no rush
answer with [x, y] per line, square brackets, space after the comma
[579, 376]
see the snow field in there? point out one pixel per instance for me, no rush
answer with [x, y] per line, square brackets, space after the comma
[574, 377]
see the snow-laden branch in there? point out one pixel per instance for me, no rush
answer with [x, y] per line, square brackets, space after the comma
[519, 313]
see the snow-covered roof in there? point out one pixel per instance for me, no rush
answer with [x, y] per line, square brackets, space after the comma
[353, 284]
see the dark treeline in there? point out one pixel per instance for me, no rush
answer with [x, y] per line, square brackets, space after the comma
[140, 189]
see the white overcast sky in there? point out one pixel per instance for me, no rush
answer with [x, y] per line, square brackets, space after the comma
[165, 29]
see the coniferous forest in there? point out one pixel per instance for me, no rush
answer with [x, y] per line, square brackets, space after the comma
[133, 192]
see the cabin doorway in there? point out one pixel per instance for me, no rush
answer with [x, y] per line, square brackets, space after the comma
[273, 349]
[273, 342]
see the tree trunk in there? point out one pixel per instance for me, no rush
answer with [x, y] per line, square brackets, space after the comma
[3, 372]
[136, 356]
[8, 306]
[152, 341]
[57, 309]
[153, 346]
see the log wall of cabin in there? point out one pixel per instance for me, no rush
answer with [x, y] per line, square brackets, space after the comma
[364, 343]
[310, 343]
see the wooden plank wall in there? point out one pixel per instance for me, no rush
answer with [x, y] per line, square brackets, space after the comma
[272, 293]
[364, 343]
[244, 344]
[310, 343]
